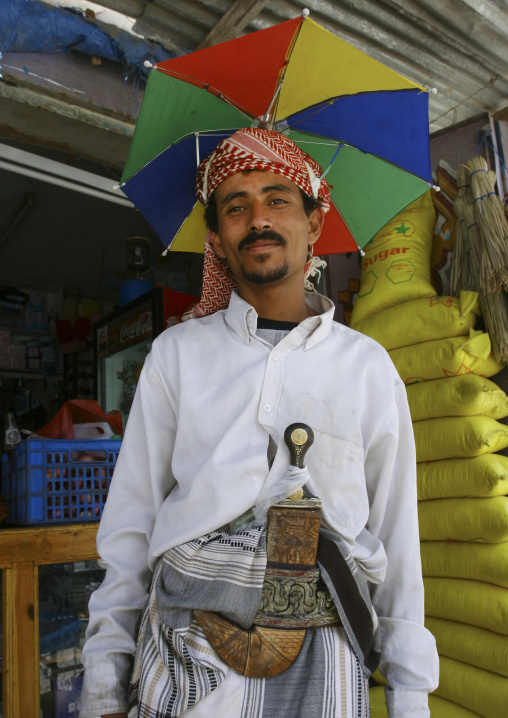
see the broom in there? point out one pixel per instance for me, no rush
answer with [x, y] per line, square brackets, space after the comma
[493, 227]
[495, 313]
[494, 304]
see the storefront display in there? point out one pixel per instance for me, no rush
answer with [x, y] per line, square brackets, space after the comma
[123, 339]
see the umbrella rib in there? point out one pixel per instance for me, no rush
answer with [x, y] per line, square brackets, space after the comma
[168, 248]
[362, 253]
[319, 106]
[209, 88]
[294, 40]
[332, 161]
[342, 143]
[220, 133]
[268, 112]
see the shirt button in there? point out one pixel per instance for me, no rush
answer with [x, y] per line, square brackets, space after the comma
[276, 357]
[267, 408]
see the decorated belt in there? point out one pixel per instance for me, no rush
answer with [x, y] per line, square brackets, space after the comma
[293, 597]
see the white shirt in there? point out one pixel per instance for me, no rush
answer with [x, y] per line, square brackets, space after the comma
[194, 457]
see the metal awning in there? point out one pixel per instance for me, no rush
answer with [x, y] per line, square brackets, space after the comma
[459, 47]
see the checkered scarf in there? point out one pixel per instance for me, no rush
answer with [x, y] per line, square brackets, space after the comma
[252, 149]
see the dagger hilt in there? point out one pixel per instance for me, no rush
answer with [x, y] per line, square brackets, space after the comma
[299, 438]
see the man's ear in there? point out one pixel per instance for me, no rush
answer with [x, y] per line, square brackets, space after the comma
[216, 244]
[316, 219]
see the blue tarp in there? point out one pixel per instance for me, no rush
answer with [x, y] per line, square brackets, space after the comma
[30, 26]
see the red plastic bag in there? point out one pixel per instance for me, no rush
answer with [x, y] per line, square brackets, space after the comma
[80, 411]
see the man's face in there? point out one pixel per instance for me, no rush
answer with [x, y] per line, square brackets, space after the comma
[264, 231]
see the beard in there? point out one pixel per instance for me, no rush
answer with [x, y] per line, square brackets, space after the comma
[261, 275]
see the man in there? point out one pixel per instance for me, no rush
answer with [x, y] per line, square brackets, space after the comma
[204, 449]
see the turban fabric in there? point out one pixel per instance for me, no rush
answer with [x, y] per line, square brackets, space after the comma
[266, 151]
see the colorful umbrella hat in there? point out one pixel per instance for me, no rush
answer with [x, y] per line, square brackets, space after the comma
[366, 125]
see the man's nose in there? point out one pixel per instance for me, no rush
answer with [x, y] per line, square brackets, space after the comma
[259, 217]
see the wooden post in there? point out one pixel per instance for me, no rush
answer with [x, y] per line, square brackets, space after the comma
[7, 636]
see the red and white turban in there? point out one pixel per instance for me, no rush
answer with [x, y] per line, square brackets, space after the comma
[252, 149]
[265, 150]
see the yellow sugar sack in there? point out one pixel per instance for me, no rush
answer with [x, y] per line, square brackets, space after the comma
[484, 475]
[483, 692]
[378, 707]
[479, 520]
[422, 320]
[439, 707]
[379, 678]
[486, 562]
[462, 395]
[446, 357]
[470, 644]
[458, 437]
[396, 265]
[472, 602]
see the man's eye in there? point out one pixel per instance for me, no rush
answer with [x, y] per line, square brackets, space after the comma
[235, 208]
[278, 200]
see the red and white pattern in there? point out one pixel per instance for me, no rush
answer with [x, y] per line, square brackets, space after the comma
[218, 283]
[265, 150]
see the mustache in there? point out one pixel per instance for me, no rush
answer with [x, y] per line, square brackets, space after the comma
[253, 237]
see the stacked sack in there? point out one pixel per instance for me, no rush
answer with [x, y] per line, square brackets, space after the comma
[462, 480]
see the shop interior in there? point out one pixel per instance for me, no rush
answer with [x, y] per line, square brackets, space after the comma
[65, 259]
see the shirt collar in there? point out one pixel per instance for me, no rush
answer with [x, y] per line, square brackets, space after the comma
[242, 318]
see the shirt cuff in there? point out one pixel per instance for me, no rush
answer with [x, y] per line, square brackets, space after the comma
[401, 704]
[105, 689]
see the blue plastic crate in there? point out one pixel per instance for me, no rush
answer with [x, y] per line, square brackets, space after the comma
[50, 481]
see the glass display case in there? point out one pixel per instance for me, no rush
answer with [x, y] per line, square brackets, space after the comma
[123, 339]
[64, 592]
[47, 576]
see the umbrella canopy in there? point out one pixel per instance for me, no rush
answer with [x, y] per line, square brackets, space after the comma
[366, 125]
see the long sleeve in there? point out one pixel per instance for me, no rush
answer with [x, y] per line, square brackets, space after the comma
[409, 659]
[141, 482]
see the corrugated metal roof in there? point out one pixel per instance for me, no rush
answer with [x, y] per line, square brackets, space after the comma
[459, 47]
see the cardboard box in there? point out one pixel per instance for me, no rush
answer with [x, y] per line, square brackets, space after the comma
[17, 350]
[33, 363]
[30, 319]
[17, 356]
[11, 314]
[48, 359]
[32, 351]
[36, 301]
[5, 357]
[41, 321]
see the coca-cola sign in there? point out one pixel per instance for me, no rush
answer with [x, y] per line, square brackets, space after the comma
[135, 328]
[128, 330]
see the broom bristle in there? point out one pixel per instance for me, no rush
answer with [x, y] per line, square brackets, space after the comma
[493, 227]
